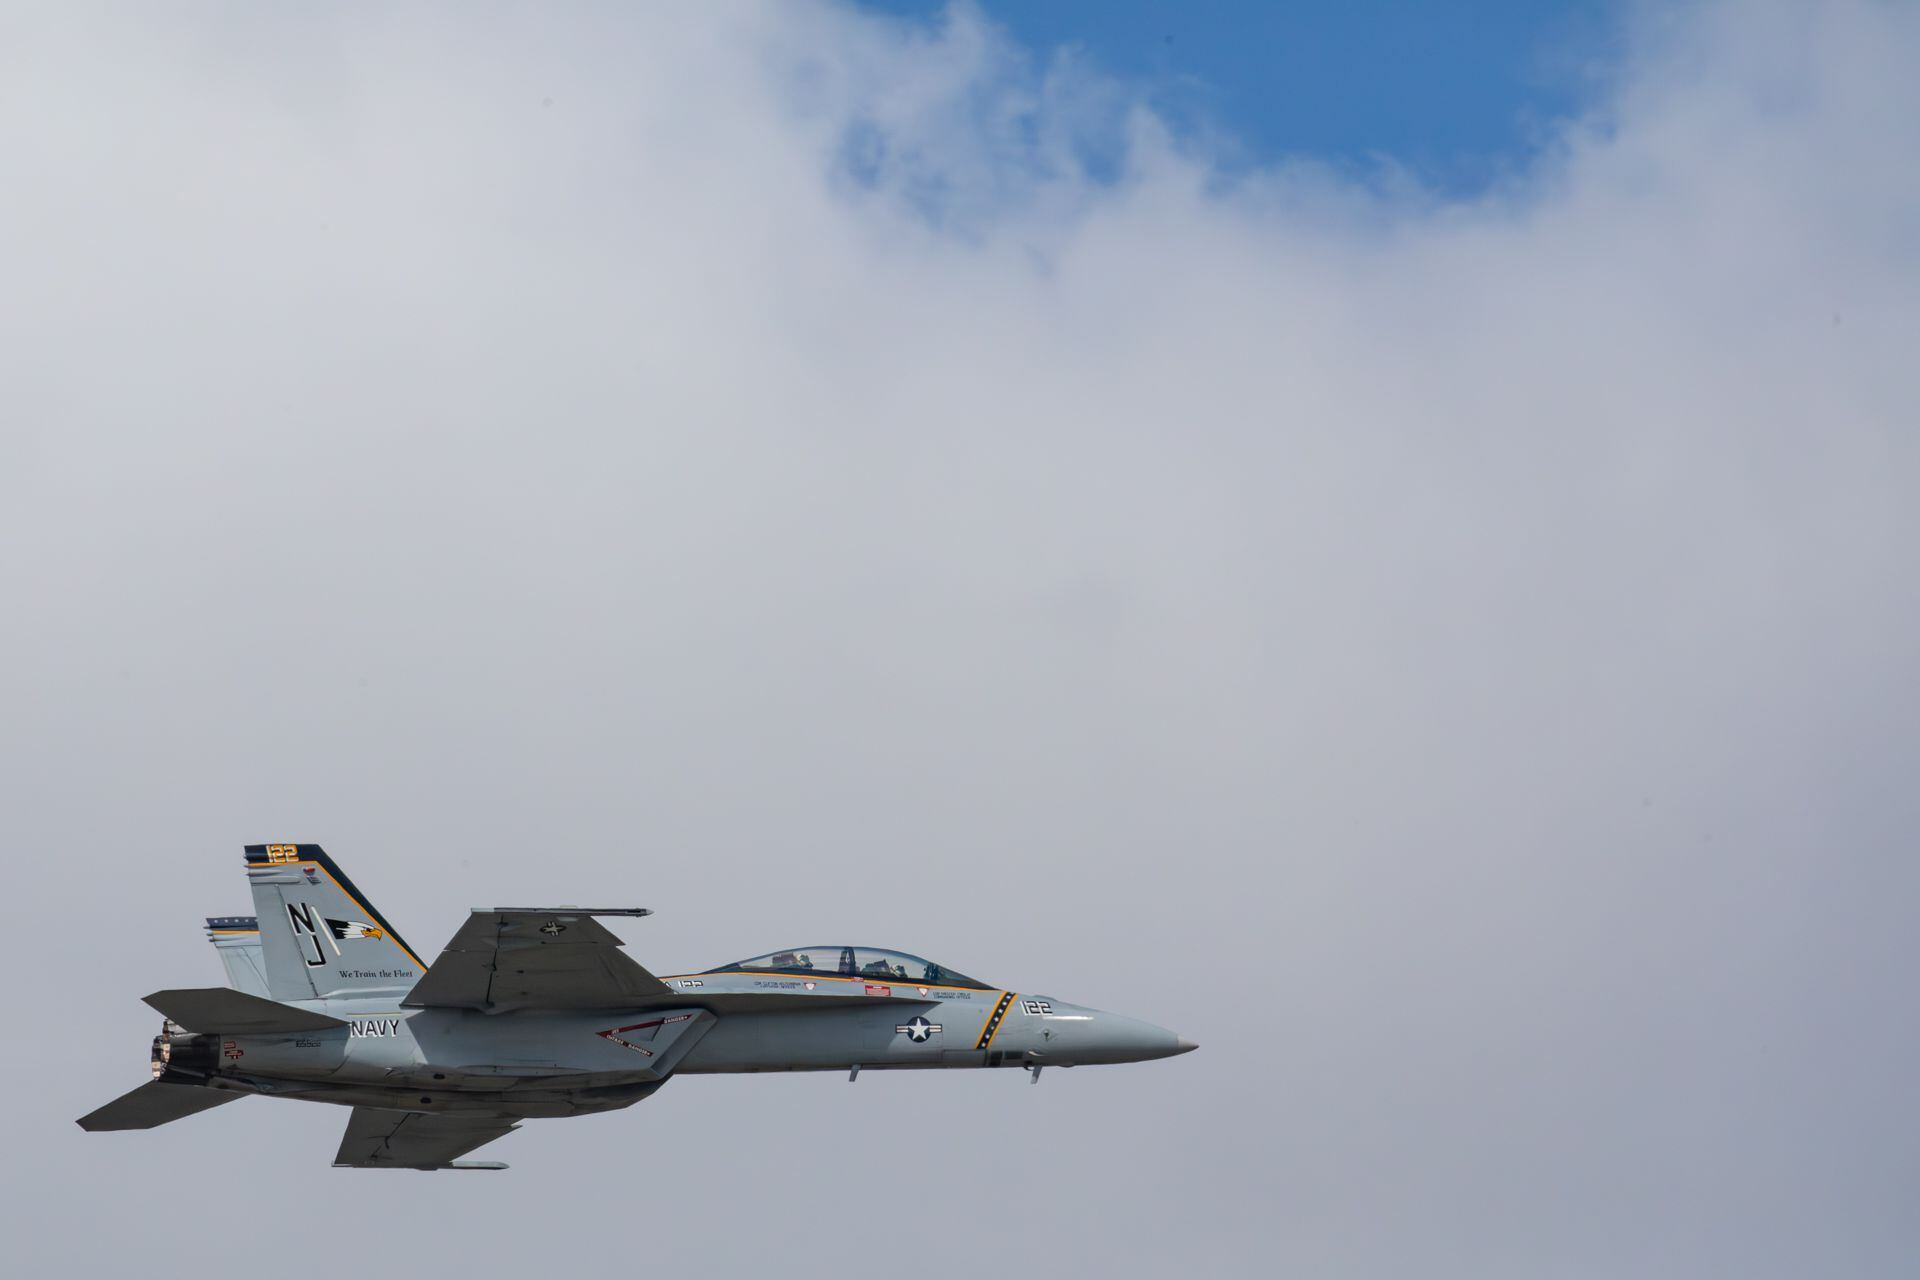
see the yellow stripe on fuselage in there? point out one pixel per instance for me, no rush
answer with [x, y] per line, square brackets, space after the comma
[991, 1027]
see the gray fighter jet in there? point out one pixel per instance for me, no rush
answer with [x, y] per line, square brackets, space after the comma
[535, 1012]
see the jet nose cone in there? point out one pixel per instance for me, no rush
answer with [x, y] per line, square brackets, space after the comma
[1129, 1040]
[1070, 1035]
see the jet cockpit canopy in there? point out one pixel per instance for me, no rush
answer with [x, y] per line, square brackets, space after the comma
[872, 963]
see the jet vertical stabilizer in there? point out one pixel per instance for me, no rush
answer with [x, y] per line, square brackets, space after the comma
[319, 935]
[237, 939]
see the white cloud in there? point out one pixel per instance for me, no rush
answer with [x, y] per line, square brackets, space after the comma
[1453, 659]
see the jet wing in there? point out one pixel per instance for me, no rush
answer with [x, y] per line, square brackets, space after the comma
[380, 1139]
[513, 958]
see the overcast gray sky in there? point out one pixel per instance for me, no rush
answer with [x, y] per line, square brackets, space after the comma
[1456, 661]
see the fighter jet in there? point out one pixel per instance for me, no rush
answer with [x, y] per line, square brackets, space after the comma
[534, 1012]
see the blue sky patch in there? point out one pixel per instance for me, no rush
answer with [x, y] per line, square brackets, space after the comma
[1454, 95]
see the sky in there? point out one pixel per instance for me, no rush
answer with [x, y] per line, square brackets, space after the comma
[1459, 95]
[1442, 643]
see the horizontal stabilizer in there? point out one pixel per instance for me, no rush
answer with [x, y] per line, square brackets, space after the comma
[229, 1012]
[154, 1104]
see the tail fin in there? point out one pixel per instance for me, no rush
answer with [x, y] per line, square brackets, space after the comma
[237, 939]
[319, 935]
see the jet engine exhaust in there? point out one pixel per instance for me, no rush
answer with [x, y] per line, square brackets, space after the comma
[181, 1056]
